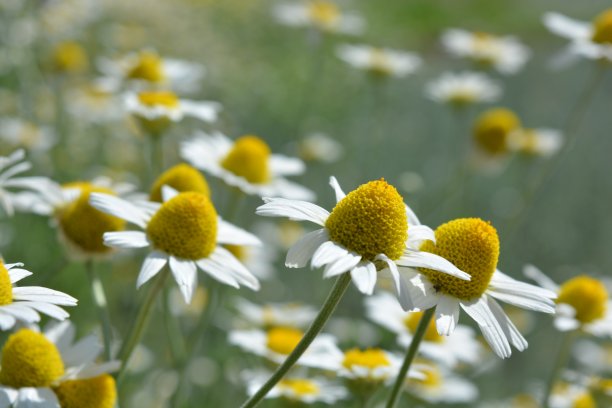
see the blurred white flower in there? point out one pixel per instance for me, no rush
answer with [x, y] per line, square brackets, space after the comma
[463, 89]
[320, 147]
[15, 133]
[96, 102]
[10, 166]
[379, 61]
[276, 314]
[440, 385]
[321, 14]
[155, 105]
[536, 142]
[565, 395]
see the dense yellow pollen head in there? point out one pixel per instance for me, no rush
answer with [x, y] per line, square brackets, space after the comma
[96, 392]
[412, 322]
[602, 27]
[472, 245]
[82, 224]
[6, 287]
[283, 340]
[300, 387]
[370, 358]
[492, 128]
[323, 13]
[182, 178]
[149, 67]
[30, 360]
[185, 226]
[70, 57]
[249, 158]
[165, 99]
[586, 295]
[370, 220]
[584, 400]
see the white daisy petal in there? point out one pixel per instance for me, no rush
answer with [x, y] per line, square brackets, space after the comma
[364, 277]
[36, 398]
[392, 267]
[21, 312]
[447, 315]
[126, 239]
[328, 252]
[217, 271]
[242, 275]
[7, 396]
[510, 330]
[153, 263]
[6, 321]
[185, 274]
[543, 305]
[49, 309]
[342, 265]
[230, 234]
[13, 265]
[417, 234]
[535, 274]
[303, 250]
[418, 259]
[337, 189]
[567, 27]
[119, 208]
[61, 334]
[17, 274]
[40, 294]
[293, 209]
[286, 166]
[479, 311]
[168, 193]
[83, 352]
[413, 220]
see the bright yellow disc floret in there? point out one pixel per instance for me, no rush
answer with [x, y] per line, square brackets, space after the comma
[300, 387]
[70, 57]
[185, 226]
[370, 220]
[602, 27]
[148, 67]
[83, 225]
[323, 13]
[6, 287]
[249, 158]
[96, 392]
[165, 99]
[587, 296]
[492, 128]
[370, 358]
[472, 245]
[182, 178]
[283, 340]
[30, 360]
[431, 334]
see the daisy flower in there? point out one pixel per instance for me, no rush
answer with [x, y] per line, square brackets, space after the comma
[69, 57]
[23, 304]
[276, 314]
[320, 14]
[382, 62]
[463, 89]
[591, 40]
[582, 303]
[246, 163]
[493, 129]
[320, 147]
[96, 102]
[506, 54]
[567, 395]
[10, 166]
[18, 133]
[184, 232]
[441, 386]
[536, 142]
[462, 347]
[369, 229]
[473, 246]
[50, 370]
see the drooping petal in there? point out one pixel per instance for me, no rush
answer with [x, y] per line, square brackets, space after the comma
[126, 239]
[230, 234]
[337, 189]
[419, 259]
[185, 275]
[510, 330]
[490, 327]
[341, 265]
[286, 166]
[40, 294]
[328, 252]
[153, 263]
[364, 277]
[303, 250]
[447, 315]
[293, 209]
[119, 208]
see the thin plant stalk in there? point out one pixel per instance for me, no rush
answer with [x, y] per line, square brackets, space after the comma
[99, 297]
[317, 325]
[560, 362]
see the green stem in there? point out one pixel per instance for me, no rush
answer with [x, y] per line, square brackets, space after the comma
[173, 330]
[410, 354]
[156, 157]
[99, 297]
[560, 362]
[317, 325]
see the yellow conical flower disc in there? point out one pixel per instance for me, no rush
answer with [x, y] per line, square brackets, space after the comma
[6, 287]
[149, 67]
[283, 340]
[182, 178]
[70, 57]
[602, 27]
[472, 245]
[166, 99]
[249, 158]
[370, 358]
[492, 128]
[96, 392]
[323, 13]
[83, 225]
[431, 334]
[185, 226]
[30, 360]
[370, 220]
[300, 387]
[586, 295]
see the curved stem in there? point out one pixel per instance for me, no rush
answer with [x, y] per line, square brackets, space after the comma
[99, 297]
[560, 362]
[326, 311]
[410, 354]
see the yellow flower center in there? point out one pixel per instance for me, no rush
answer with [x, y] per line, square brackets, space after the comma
[323, 13]
[30, 360]
[82, 224]
[433, 378]
[300, 387]
[283, 340]
[182, 178]
[165, 99]
[586, 295]
[96, 392]
[412, 322]
[371, 358]
[602, 27]
[149, 67]
[185, 226]
[462, 97]
[584, 400]
[492, 128]
[370, 220]
[6, 287]
[70, 57]
[249, 158]
[472, 245]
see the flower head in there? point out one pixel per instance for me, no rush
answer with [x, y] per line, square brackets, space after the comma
[383, 62]
[463, 89]
[322, 15]
[493, 128]
[182, 178]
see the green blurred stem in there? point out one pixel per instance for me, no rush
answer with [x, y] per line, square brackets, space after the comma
[317, 325]
[137, 329]
[156, 156]
[99, 297]
[410, 354]
[560, 362]
[173, 330]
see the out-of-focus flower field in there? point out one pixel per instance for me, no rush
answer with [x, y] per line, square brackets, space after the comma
[197, 189]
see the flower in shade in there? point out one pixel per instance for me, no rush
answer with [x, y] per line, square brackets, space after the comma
[536, 142]
[320, 14]
[320, 147]
[382, 62]
[276, 314]
[463, 89]
[472, 245]
[246, 163]
[493, 129]
[440, 385]
[183, 232]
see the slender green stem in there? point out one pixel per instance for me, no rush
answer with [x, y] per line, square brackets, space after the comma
[317, 325]
[99, 297]
[156, 156]
[560, 362]
[410, 354]
[173, 330]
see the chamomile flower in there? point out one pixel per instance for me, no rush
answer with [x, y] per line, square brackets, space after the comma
[184, 232]
[276, 314]
[591, 40]
[505, 54]
[566, 395]
[582, 303]
[246, 163]
[320, 147]
[69, 57]
[382, 62]
[369, 229]
[440, 385]
[493, 129]
[23, 304]
[536, 142]
[322, 15]
[182, 178]
[463, 89]
[50, 370]
[96, 102]
[461, 347]
[10, 166]
[473, 246]
[17, 133]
